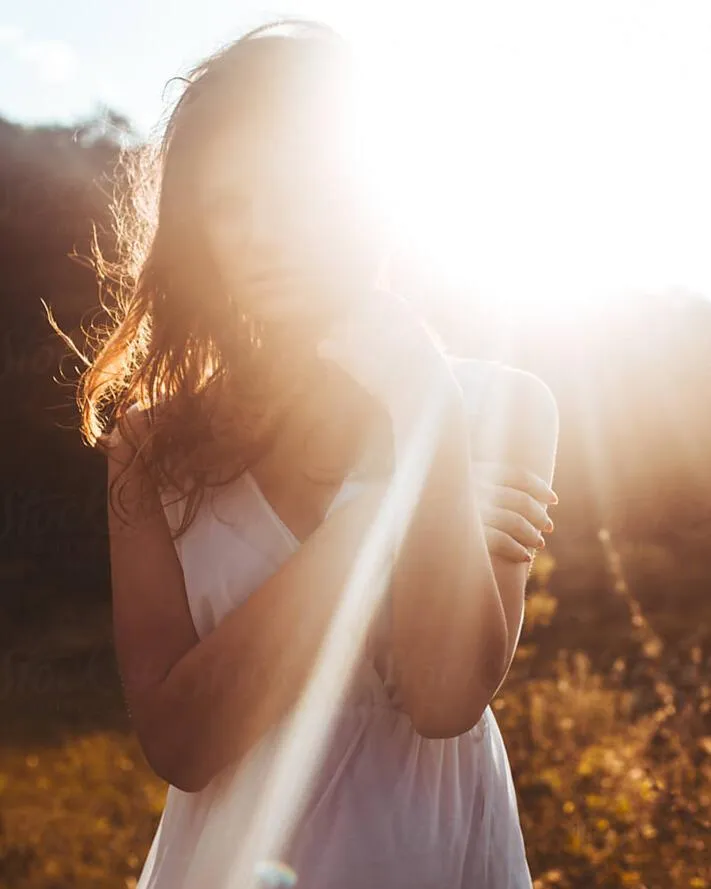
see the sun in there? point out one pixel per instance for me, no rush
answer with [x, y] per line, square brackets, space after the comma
[462, 205]
[537, 192]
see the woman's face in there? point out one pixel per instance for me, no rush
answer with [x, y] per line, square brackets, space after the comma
[286, 221]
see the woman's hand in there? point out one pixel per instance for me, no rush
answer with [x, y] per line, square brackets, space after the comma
[385, 346]
[388, 350]
[512, 502]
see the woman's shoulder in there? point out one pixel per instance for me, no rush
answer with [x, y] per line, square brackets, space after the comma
[133, 426]
[502, 380]
[130, 431]
[476, 376]
[470, 366]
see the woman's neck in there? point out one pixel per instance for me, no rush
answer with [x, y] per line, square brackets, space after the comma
[323, 433]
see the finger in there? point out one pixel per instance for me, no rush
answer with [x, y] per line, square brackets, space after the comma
[501, 544]
[523, 504]
[516, 476]
[535, 485]
[515, 526]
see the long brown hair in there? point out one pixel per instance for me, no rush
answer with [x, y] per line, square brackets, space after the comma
[177, 345]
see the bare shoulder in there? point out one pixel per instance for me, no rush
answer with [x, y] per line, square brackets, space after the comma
[493, 383]
[514, 413]
[527, 391]
[125, 438]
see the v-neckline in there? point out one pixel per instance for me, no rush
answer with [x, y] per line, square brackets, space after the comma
[457, 362]
[350, 478]
[274, 515]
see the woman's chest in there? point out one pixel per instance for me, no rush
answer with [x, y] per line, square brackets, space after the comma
[316, 455]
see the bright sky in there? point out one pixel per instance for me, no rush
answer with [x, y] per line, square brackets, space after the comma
[558, 149]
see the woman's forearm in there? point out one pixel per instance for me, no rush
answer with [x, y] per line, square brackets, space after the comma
[449, 632]
[241, 679]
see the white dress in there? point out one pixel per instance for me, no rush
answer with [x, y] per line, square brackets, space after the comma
[385, 808]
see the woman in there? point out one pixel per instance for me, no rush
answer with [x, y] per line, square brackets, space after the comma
[268, 402]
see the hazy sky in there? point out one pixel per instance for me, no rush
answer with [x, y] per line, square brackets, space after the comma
[58, 60]
[554, 144]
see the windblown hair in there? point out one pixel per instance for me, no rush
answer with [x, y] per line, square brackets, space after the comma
[178, 346]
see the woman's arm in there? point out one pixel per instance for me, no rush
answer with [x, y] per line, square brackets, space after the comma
[518, 426]
[448, 630]
[457, 609]
[199, 705]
